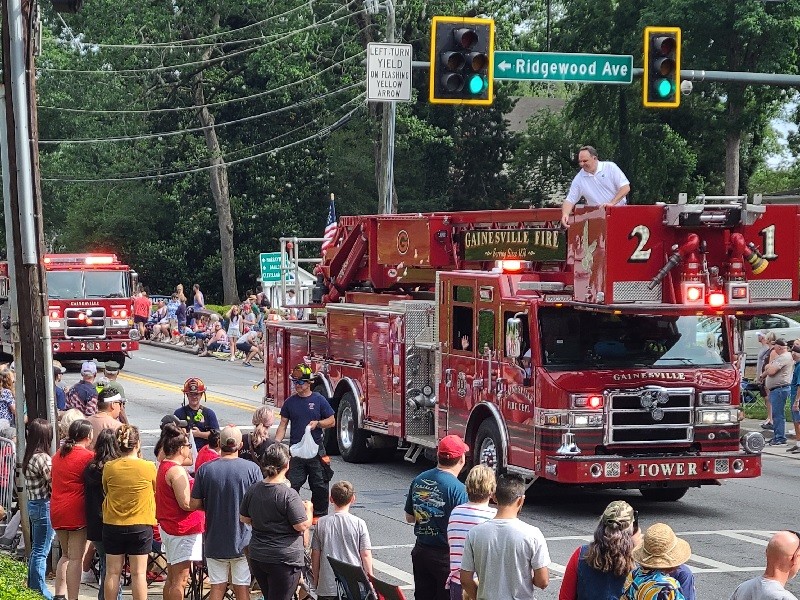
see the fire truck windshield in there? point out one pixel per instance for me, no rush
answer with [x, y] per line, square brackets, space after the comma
[575, 339]
[87, 284]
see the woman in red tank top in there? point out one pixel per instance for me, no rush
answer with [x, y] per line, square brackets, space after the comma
[181, 528]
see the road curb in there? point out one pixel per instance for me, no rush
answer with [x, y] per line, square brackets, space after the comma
[184, 349]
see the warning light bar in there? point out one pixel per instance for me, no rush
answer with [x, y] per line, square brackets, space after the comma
[80, 259]
[716, 299]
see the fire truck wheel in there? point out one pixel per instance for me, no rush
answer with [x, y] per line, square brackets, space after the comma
[488, 445]
[329, 435]
[352, 440]
[664, 494]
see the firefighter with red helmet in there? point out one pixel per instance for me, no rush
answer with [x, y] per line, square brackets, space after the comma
[200, 419]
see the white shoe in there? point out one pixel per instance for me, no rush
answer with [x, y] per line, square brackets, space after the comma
[88, 577]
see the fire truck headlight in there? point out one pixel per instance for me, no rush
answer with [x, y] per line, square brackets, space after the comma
[580, 420]
[709, 398]
[717, 417]
[594, 401]
[54, 324]
[586, 420]
[753, 442]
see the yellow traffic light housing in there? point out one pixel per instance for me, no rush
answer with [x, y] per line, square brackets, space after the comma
[462, 61]
[661, 82]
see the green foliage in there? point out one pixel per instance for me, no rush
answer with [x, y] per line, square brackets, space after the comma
[13, 578]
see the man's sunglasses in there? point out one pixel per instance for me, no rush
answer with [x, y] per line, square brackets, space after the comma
[299, 381]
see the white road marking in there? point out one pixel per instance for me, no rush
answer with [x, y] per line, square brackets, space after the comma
[150, 359]
[735, 535]
[383, 567]
[561, 569]
[393, 546]
[723, 567]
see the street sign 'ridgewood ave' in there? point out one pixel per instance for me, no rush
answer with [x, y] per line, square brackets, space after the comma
[552, 66]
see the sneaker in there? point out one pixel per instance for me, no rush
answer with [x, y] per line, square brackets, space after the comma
[767, 425]
[88, 577]
[794, 450]
[776, 443]
[247, 364]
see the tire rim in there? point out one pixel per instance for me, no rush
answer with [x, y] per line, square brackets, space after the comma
[346, 428]
[488, 453]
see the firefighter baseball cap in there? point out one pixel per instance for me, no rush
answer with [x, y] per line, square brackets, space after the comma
[302, 372]
[58, 369]
[167, 419]
[230, 438]
[194, 385]
[112, 366]
[452, 446]
[620, 513]
[89, 368]
[780, 342]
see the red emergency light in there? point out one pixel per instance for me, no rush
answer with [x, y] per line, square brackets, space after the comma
[511, 265]
[595, 402]
[716, 299]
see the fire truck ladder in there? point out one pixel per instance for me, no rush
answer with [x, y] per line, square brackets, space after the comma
[290, 263]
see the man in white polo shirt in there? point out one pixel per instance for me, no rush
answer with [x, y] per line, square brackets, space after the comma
[599, 181]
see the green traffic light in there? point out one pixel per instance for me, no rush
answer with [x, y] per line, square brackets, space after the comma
[476, 84]
[663, 88]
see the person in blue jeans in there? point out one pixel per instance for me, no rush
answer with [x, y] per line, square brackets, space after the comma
[36, 465]
[778, 382]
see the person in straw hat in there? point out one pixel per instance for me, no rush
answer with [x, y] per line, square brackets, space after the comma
[659, 554]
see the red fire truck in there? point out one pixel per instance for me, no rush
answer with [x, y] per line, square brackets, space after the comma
[604, 354]
[90, 307]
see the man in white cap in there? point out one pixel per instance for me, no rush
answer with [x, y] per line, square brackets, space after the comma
[112, 372]
[783, 563]
[83, 395]
[219, 488]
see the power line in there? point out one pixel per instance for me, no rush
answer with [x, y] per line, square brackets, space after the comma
[164, 134]
[324, 132]
[210, 61]
[212, 104]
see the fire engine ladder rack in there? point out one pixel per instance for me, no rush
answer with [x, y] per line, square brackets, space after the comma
[290, 263]
[711, 210]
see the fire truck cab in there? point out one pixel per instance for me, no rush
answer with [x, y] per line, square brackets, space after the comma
[90, 307]
[607, 354]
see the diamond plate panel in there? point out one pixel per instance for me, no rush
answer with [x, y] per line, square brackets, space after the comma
[635, 291]
[419, 422]
[420, 322]
[721, 466]
[612, 469]
[771, 289]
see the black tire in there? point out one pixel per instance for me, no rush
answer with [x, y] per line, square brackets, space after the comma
[352, 440]
[664, 494]
[328, 435]
[488, 446]
[120, 358]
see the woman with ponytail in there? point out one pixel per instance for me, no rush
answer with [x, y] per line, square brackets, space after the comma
[68, 507]
[255, 444]
[278, 517]
[180, 527]
[129, 513]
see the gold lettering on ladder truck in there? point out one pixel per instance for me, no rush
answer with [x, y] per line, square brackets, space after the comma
[546, 238]
[667, 469]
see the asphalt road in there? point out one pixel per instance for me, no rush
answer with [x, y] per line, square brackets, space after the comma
[727, 526]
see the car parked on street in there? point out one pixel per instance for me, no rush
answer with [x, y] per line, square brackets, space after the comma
[782, 326]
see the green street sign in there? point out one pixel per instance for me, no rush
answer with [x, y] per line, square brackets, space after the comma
[271, 268]
[553, 66]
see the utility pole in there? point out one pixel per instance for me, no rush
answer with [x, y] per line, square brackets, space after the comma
[387, 131]
[24, 212]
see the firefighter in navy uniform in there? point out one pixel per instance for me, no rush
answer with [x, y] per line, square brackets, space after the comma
[301, 409]
[200, 419]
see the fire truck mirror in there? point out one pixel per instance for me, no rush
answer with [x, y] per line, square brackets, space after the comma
[513, 337]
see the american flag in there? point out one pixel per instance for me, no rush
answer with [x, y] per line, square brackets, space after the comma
[330, 229]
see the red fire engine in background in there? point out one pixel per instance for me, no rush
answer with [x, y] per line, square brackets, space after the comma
[604, 354]
[90, 307]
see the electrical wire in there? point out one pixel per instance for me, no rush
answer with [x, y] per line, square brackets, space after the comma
[163, 134]
[188, 43]
[208, 62]
[210, 105]
[324, 132]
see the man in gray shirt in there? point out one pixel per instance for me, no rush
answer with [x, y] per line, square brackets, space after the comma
[508, 556]
[783, 563]
[778, 382]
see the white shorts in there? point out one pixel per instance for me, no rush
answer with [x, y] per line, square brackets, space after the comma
[218, 570]
[182, 548]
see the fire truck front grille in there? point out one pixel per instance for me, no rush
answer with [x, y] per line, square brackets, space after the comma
[650, 414]
[85, 322]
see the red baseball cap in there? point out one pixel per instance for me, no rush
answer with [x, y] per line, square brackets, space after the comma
[452, 446]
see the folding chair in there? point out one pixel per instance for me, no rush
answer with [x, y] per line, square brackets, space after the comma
[386, 591]
[351, 581]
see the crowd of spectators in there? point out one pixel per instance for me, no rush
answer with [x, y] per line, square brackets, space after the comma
[236, 335]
